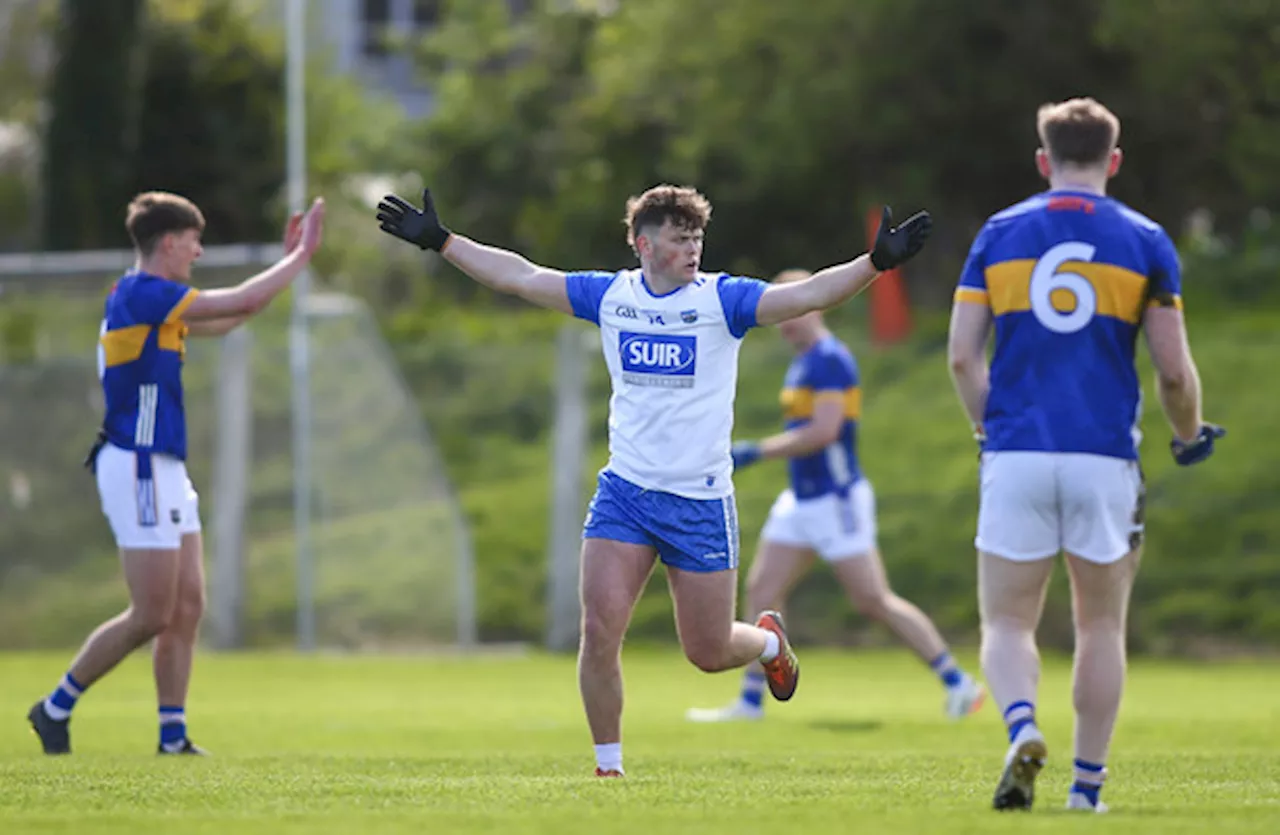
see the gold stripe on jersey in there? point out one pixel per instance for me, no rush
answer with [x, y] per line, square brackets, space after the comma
[972, 294]
[1121, 293]
[124, 344]
[173, 337]
[1166, 300]
[798, 402]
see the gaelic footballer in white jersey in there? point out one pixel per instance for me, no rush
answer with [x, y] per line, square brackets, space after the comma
[671, 335]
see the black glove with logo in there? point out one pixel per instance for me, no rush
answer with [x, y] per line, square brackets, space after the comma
[896, 245]
[408, 223]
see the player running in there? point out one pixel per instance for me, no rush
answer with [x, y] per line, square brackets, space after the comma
[828, 509]
[670, 335]
[1069, 277]
[139, 459]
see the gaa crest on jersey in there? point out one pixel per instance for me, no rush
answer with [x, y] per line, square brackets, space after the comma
[661, 360]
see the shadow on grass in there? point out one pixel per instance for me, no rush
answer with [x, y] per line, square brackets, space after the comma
[846, 726]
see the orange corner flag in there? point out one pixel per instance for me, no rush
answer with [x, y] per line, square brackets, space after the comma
[890, 311]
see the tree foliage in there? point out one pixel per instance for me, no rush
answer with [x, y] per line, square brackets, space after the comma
[205, 117]
[795, 118]
[94, 93]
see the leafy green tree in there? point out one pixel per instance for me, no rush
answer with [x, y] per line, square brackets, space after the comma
[796, 118]
[90, 136]
[212, 121]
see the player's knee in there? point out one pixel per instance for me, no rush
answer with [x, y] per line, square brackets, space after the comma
[600, 633]
[189, 609]
[150, 619]
[1105, 628]
[708, 658]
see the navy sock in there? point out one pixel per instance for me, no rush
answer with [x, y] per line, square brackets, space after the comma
[753, 688]
[1017, 716]
[173, 725]
[947, 669]
[63, 699]
[1089, 777]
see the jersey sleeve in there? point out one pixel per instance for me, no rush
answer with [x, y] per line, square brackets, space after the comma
[739, 298]
[160, 301]
[973, 278]
[586, 291]
[1166, 274]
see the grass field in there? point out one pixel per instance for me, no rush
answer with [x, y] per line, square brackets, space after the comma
[496, 743]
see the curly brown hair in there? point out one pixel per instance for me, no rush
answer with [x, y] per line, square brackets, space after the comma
[682, 205]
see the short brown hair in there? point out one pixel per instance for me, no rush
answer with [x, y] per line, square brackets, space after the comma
[1080, 131]
[682, 205]
[154, 214]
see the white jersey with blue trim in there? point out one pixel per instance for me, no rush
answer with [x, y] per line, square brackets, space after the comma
[673, 361]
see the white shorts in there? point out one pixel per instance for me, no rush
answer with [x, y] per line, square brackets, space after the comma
[1035, 504]
[836, 527]
[176, 504]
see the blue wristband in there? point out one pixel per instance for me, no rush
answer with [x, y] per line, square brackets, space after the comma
[745, 453]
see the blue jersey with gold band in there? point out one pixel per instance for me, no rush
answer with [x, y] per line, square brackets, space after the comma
[826, 371]
[1068, 275]
[140, 352]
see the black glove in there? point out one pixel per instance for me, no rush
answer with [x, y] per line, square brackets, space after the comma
[405, 221]
[896, 245]
[1193, 452]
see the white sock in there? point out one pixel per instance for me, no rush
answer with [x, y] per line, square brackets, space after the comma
[609, 756]
[772, 646]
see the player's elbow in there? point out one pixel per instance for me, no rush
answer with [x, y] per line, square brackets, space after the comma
[962, 363]
[250, 303]
[1175, 380]
[1175, 372]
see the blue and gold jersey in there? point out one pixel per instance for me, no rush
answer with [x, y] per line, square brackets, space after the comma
[1068, 276]
[140, 352]
[826, 371]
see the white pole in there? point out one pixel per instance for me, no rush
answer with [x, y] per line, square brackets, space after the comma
[299, 359]
[568, 455]
[233, 444]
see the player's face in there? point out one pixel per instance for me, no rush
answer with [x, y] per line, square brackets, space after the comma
[675, 252]
[184, 249]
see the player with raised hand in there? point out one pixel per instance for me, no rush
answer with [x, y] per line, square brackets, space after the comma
[1068, 278]
[828, 510]
[670, 335]
[140, 457]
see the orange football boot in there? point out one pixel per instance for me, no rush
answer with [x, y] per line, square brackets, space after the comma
[783, 672]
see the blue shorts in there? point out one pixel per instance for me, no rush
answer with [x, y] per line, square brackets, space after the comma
[689, 534]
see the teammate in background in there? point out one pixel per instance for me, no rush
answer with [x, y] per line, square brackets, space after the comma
[1069, 277]
[829, 509]
[670, 337]
[139, 459]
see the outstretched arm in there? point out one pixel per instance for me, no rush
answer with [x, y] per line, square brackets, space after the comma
[215, 327]
[820, 291]
[508, 272]
[302, 238]
[498, 269]
[894, 245]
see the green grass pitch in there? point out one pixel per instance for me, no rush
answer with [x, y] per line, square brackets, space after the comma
[497, 743]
